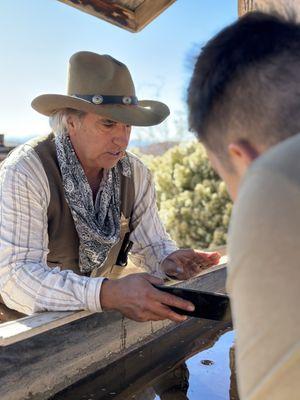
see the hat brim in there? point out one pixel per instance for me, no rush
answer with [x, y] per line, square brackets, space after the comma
[146, 113]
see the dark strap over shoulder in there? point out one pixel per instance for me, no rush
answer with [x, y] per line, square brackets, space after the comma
[63, 237]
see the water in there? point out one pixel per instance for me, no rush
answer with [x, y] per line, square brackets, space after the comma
[206, 376]
[174, 367]
[211, 380]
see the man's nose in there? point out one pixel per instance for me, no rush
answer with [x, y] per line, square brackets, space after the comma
[123, 135]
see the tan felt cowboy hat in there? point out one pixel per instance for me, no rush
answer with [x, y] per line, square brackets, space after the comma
[102, 85]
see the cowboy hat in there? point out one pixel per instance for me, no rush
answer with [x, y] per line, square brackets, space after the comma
[102, 85]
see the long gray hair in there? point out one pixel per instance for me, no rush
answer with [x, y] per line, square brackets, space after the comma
[58, 121]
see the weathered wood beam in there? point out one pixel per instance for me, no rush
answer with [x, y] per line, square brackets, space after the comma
[245, 6]
[38, 366]
[107, 10]
[149, 10]
[26, 327]
[120, 15]
[283, 7]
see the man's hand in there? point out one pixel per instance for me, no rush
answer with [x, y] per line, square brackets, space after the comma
[186, 263]
[136, 298]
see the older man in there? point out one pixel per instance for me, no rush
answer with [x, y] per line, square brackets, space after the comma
[244, 101]
[74, 203]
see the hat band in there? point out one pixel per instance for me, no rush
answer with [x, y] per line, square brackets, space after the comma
[103, 99]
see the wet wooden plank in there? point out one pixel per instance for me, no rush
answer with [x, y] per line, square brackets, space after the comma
[43, 364]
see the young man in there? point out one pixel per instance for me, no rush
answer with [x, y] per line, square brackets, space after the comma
[244, 105]
[74, 203]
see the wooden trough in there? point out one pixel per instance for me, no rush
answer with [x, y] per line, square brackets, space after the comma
[43, 354]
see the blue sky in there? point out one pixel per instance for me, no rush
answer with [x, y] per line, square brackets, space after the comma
[39, 36]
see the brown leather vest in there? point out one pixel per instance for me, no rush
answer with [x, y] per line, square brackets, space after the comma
[63, 237]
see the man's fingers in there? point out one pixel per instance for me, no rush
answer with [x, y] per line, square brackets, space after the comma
[151, 304]
[186, 263]
[210, 256]
[194, 264]
[167, 313]
[205, 261]
[201, 259]
[174, 301]
[161, 311]
[181, 265]
[213, 256]
[216, 257]
[136, 298]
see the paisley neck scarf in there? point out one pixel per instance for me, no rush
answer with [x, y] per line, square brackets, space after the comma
[97, 223]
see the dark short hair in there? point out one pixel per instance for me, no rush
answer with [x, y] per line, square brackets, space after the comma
[246, 83]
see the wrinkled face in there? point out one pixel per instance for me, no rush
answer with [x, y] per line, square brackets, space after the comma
[98, 142]
[231, 178]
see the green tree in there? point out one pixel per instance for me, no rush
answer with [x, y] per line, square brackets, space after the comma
[193, 202]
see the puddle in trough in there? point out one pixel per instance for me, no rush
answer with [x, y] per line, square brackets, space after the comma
[174, 367]
[204, 376]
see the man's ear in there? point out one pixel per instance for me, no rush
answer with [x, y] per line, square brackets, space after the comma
[71, 123]
[242, 154]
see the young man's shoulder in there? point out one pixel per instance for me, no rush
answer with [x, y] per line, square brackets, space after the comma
[281, 159]
[271, 175]
[263, 272]
[267, 204]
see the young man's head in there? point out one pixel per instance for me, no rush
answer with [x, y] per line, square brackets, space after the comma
[244, 95]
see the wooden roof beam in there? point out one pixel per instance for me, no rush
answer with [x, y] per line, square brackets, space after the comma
[149, 10]
[110, 12]
[118, 14]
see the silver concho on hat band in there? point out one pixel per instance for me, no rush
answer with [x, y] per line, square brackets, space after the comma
[127, 100]
[97, 99]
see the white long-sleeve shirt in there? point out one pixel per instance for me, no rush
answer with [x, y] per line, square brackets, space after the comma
[27, 284]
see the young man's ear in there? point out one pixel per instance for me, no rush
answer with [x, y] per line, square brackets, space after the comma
[242, 154]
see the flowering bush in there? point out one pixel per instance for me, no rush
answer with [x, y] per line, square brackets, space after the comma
[192, 200]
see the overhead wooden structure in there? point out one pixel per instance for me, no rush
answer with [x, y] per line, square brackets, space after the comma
[283, 7]
[132, 15]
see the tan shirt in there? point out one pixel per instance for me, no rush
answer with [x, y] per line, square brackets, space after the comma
[264, 275]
